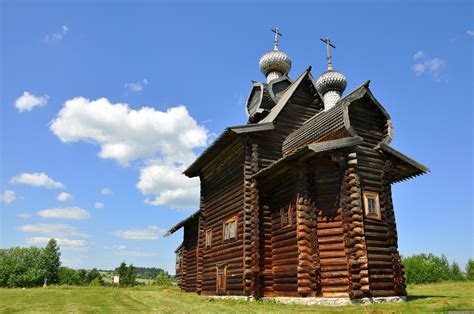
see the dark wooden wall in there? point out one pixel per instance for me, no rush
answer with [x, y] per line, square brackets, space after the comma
[223, 197]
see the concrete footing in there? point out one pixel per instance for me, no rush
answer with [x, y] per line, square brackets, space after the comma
[318, 300]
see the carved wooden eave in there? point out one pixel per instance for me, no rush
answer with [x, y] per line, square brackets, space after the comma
[404, 167]
[312, 149]
[226, 137]
[180, 224]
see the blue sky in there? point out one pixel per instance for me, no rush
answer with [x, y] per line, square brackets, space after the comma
[106, 103]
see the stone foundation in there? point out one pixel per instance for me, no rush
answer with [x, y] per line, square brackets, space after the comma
[318, 301]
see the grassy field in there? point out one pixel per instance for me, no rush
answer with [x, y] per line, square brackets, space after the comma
[429, 298]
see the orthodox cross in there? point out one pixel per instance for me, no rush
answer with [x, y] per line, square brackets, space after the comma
[328, 43]
[276, 30]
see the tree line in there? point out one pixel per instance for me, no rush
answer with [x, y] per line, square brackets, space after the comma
[33, 266]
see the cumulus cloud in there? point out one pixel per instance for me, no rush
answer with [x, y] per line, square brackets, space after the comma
[27, 101]
[57, 35]
[63, 243]
[23, 216]
[98, 205]
[122, 250]
[150, 233]
[7, 197]
[56, 230]
[106, 191]
[470, 32]
[137, 86]
[64, 197]
[425, 65]
[36, 179]
[164, 140]
[126, 134]
[75, 213]
[172, 187]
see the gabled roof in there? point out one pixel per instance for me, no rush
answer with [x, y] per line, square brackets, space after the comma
[334, 122]
[222, 141]
[286, 97]
[180, 224]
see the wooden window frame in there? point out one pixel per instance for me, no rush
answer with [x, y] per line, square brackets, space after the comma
[179, 259]
[372, 195]
[290, 216]
[226, 222]
[208, 244]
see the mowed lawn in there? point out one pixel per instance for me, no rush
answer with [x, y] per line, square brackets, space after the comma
[429, 298]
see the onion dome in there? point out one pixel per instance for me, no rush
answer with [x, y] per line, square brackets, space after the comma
[331, 81]
[331, 84]
[275, 63]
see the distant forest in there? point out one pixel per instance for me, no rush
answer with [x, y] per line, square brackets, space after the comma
[143, 272]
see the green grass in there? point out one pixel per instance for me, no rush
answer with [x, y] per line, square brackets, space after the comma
[428, 298]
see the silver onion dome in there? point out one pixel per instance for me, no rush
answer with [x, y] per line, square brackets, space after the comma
[275, 63]
[331, 81]
[275, 60]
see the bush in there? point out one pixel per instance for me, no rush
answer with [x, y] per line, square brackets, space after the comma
[163, 280]
[96, 282]
[425, 268]
[22, 267]
[69, 276]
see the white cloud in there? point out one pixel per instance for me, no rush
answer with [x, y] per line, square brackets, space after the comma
[36, 179]
[165, 141]
[470, 32]
[64, 197]
[126, 134]
[98, 205]
[57, 35]
[172, 187]
[55, 230]
[418, 55]
[24, 216]
[27, 101]
[150, 233]
[76, 213]
[62, 242]
[121, 250]
[431, 66]
[137, 86]
[106, 191]
[7, 197]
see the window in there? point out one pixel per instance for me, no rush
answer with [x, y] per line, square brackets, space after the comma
[208, 238]
[230, 228]
[285, 215]
[372, 205]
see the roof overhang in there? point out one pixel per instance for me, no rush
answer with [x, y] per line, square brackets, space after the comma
[405, 167]
[316, 148]
[180, 224]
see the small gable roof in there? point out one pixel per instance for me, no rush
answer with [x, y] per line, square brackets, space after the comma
[226, 137]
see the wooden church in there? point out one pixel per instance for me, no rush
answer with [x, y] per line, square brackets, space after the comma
[298, 201]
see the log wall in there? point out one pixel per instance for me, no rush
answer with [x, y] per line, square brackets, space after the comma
[223, 198]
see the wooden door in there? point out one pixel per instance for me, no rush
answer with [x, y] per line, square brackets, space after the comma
[221, 280]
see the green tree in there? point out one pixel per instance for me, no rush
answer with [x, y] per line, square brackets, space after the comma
[122, 272]
[131, 275]
[82, 276]
[455, 272]
[51, 261]
[21, 267]
[69, 276]
[425, 268]
[470, 269]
